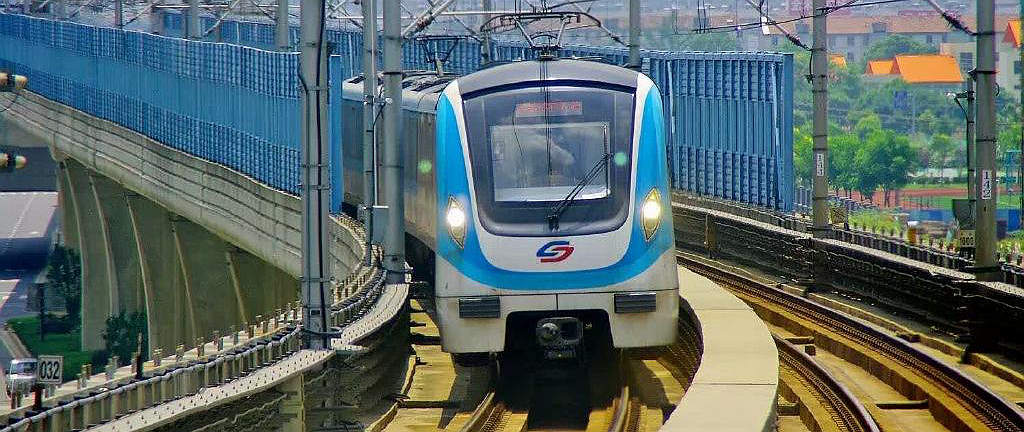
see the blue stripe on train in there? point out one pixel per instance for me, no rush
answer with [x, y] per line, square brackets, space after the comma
[641, 255]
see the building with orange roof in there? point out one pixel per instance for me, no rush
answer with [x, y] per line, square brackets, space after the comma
[838, 60]
[927, 69]
[919, 69]
[879, 67]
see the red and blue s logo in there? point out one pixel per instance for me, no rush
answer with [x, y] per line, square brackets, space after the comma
[555, 251]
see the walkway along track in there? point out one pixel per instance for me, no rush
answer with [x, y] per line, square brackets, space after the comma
[956, 400]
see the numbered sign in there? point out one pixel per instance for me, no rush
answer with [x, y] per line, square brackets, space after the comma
[966, 238]
[51, 369]
[986, 184]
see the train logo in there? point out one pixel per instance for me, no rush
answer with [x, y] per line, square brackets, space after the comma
[555, 251]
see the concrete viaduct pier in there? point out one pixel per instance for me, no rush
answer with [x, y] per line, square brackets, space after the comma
[196, 246]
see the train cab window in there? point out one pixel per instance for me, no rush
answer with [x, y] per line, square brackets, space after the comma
[544, 162]
[531, 146]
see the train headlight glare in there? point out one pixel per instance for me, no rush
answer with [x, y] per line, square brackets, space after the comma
[455, 218]
[651, 212]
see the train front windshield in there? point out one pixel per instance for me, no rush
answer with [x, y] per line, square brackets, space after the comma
[544, 162]
[530, 147]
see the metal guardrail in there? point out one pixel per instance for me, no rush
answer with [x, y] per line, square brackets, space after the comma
[123, 396]
[979, 313]
[1012, 272]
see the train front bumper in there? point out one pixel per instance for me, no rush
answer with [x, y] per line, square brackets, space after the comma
[474, 324]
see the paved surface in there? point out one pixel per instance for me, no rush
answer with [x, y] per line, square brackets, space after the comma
[26, 222]
[40, 174]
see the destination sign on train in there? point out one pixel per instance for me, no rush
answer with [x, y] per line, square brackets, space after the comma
[559, 108]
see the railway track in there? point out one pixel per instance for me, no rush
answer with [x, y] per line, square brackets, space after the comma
[808, 382]
[955, 400]
[623, 414]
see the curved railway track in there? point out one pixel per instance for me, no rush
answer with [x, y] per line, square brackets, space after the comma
[799, 369]
[956, 400]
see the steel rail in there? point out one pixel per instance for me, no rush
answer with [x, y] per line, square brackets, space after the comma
[985, 405]
[847, 411]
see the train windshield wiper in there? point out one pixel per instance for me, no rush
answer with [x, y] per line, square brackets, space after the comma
[558, 209]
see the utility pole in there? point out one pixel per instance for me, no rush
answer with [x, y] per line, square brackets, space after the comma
[1020, 167]
[194, 31]
[969, 135]
[282, 27]
[485, 44]
[985, 261]
[369, 117]
[635, 62]
[59, 9]
[819, 92]
[394, 244]
[119, 14]
[315, 176]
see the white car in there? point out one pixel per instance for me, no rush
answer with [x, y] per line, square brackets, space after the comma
[21, 376]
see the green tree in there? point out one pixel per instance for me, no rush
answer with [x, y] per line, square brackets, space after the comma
[64, 276]
[927, 122]
[897, 44]
[941, 149]
[898, 161]
[802, 155]
[122, 335]
[886, 159]
[866, 126]
[842, 150]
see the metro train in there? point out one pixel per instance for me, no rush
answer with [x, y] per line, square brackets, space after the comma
[537, 192]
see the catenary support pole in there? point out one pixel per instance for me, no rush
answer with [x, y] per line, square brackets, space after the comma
[369, 117]
[194, 31]
[969, 136]
[118, 13]
[819, 93]
[394, 244]
[315, 176]
[986, 265]
[634, 35]
[485, 37]
[282, 27]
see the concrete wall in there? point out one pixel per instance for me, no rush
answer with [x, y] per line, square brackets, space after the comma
[199, 246]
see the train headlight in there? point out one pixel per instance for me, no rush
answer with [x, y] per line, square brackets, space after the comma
[455, 218]
[651, 213]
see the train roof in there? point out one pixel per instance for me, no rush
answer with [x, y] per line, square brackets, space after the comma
[559, 69]
[421, 90]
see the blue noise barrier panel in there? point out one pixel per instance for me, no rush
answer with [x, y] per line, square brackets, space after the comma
[229, 104]
[730, 115]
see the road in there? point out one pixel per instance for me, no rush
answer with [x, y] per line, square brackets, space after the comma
[27, 222]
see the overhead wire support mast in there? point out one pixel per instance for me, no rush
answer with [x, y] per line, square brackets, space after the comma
[282, 26]
[316, 272]
[394, 244]
[369, 118]
[986, 261]
[635, 62]
[819, 93]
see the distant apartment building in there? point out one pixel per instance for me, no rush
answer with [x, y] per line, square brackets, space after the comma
[1008, 66]
[851, 36]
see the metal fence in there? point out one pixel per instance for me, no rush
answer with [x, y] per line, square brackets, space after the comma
[730, 115]
[230, 104]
